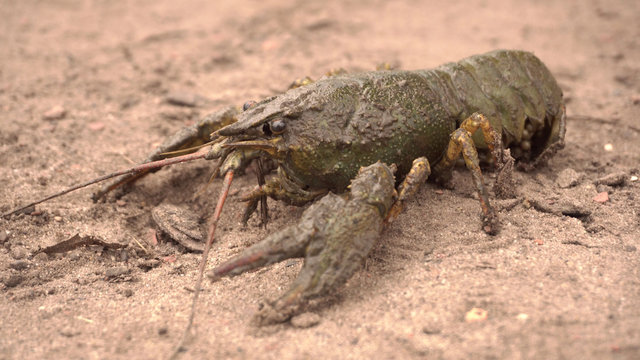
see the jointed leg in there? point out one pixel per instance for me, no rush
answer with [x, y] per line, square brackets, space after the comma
[461, 142]
[279, 188]
[491, 137]
[420, 171]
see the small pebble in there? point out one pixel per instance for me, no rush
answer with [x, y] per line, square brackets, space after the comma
[116, 271]
[83, 281]
[4, 236]
[522, 317]
[163, 331]
[604, 188]
[476, 315]
[305, 320]
[13, 280]
[127, 293]
[56, 112]
[96, 125]
[121, 203]
[41, 257]
[129, 102]
[57, 218]
[568, 178]
[18, 252]
[633, 178]
[432, 328]
[539, 241]
[616, 179]
[19, 264]
[149, 264]
[175, 114]
[608, 147]
[602, 197]
[69, 331]
[572, 207]
[181, 98]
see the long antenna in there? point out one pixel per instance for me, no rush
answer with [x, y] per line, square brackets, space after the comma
[203, 263]
[135, 169]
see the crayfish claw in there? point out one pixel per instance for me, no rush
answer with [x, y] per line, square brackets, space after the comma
[290, 242]
[334, 236]
[332, 256]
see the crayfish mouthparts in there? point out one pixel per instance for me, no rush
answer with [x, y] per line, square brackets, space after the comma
[269, 146]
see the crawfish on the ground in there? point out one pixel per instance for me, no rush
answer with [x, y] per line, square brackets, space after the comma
[320, 134]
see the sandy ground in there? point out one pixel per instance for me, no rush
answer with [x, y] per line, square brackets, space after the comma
[561, 280]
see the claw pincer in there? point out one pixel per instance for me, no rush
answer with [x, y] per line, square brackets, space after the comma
[334, 235]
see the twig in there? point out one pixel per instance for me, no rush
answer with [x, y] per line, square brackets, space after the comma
[141, 246]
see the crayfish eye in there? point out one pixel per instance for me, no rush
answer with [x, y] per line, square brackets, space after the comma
[278, 126]
[248, 105]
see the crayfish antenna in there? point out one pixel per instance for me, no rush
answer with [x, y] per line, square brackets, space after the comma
[203, 262]
[264, 210]
[214, 175]
[136, 169]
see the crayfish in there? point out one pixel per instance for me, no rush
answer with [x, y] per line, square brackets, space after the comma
[334, 135]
